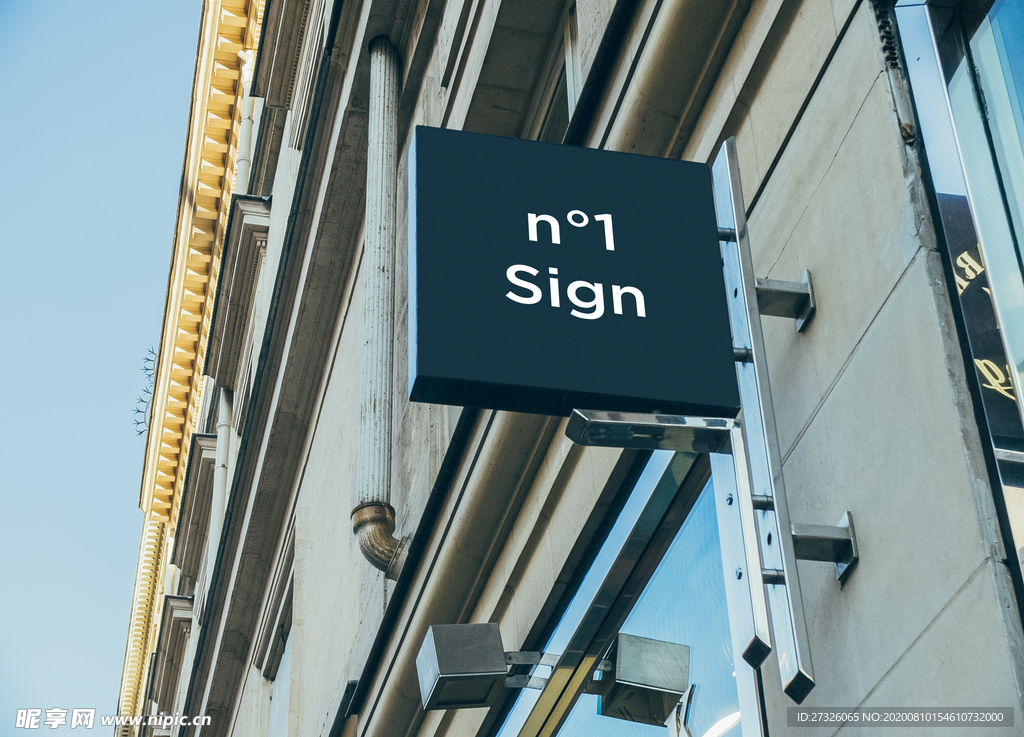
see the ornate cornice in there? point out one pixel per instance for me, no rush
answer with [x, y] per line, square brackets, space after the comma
[208, 182]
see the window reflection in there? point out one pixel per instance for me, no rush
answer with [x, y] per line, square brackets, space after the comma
[998, 54]
[656, 468]
[966, 67]
[684, 602]
[981, 62]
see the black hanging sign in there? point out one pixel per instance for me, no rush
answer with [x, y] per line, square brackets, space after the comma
[544, 278]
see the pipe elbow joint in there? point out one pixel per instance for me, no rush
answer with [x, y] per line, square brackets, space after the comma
[374, 526]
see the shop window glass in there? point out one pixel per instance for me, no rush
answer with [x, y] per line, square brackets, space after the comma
[683, 602]
[966, 67]
[564, 84]
[557, 119]
[976, 49]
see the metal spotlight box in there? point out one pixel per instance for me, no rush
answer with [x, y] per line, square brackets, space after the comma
[649, 679]
[460, 666]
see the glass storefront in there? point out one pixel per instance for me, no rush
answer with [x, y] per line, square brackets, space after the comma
[972, 125]
[966, 64]
[666, 537]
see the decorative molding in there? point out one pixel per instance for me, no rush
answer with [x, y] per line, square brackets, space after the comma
[243, 255]
[208, 181]
[285, 30]
[304, 77]
[175, 627]
[194, 517]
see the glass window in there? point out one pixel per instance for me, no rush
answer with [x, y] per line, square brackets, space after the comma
[562, 89]
[973, 45]
[556, 121]
[684, 603]
[966, 69]
[997, 48]
[658, 575]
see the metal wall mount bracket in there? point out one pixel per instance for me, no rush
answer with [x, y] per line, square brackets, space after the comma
[829, 544]
[649, 432]
[771, 544]
[787, 299]
[825, 543]
[532, 658]
[778, 298]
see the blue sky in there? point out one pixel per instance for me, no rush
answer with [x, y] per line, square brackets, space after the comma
[92, 135]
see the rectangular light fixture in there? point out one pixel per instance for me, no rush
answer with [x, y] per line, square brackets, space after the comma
[650, 677]
[460, 666]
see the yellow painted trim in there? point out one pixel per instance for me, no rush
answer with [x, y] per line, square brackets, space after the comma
[208, 182]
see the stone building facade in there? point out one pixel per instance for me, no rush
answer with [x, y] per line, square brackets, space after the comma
[265, 611]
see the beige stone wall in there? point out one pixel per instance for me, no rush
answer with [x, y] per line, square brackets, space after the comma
[253, 712]
[337, 595]
[871, 400]
[872, 409]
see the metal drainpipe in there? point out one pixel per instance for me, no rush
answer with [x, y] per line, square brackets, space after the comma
[373, 519]
[244, 159]
[218, 504]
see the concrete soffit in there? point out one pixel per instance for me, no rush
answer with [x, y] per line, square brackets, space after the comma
[645, 98]
[663, 72]
[519, 45]
[228, 27]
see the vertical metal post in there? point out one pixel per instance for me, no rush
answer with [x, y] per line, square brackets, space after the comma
[751, 629]
[786, 604]
[740, 593]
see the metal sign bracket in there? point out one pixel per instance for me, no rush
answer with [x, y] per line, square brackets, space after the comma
[778, 298]
[824, 543]
[532, 658]
[771, 543]
[787, 299]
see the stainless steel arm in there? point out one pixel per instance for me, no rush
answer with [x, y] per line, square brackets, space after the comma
[790, 628]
